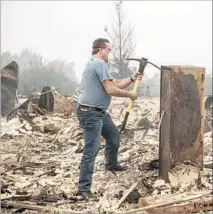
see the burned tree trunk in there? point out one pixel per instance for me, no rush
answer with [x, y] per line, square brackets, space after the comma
[46, 101]
[9, 86]
[181, 131]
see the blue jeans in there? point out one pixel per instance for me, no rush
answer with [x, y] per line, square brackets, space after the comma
[96, 124]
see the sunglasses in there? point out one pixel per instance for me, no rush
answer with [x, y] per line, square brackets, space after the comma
[108, 49]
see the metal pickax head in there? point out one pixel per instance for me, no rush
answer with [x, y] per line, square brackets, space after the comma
[143, 62]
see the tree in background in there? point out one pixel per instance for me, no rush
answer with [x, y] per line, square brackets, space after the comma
[35, 73]
[121, 36]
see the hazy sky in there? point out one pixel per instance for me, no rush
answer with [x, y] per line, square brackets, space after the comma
[166, 32]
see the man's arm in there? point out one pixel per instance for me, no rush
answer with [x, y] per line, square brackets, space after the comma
[109, 86]
[113, 90]
[122, 83]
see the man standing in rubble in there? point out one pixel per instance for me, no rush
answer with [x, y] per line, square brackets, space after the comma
[97, 87]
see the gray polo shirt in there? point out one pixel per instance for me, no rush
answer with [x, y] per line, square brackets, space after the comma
[92, 92]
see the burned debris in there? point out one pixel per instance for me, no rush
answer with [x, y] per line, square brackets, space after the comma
[41, 148]
[46, 100]
[40, 166]
[9, 86]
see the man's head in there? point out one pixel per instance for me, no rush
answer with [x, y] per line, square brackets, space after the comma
[101, 48]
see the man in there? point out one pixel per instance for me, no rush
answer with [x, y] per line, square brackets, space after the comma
[148, 92]
[97, 87]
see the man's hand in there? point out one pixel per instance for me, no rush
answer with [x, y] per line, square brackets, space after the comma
[132, 95]
[137, 75]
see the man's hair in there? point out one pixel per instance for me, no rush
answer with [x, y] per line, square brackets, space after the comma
[98, 43]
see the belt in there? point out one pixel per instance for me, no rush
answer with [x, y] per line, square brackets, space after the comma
[89, 108]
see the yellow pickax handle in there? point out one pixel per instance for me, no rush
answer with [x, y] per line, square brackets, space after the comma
[135, 87]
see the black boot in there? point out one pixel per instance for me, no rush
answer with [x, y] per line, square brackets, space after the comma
[87, 195]
[117, 168]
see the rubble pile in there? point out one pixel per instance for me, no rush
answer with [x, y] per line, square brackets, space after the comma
[63, 105]
[40, 161]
